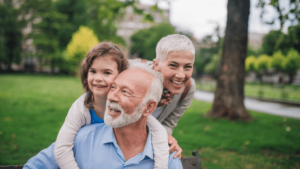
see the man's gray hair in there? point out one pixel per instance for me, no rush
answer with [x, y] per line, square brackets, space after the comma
[156, 89]
[173, 43]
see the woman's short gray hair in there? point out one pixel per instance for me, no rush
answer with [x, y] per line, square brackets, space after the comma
[156, 89]
[173, 43]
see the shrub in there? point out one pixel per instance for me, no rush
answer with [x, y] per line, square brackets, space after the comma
[263, 62]
[250, 63]
[82, 41]
[277, 61]
[292, 62]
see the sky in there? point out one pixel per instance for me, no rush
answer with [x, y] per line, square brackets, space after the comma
[201, 17]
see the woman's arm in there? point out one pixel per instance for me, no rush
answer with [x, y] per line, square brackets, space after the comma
[77, 117]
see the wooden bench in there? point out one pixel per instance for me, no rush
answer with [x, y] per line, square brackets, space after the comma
[187, 163]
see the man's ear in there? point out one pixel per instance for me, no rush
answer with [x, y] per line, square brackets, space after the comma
[155, 65]
[149, 107]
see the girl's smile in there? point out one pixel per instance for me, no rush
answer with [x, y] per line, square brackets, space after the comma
[101, 75]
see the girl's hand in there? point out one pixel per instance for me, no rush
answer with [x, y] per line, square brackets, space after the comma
[174, 146]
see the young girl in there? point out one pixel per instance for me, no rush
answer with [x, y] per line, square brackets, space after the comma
[98, 70]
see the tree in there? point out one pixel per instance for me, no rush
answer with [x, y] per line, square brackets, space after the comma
[269, 42]
[292, 14]
[229, 95]
[76, 13]
[292, 63]
[294, 35]
[82, 41]
[144, 41]
[45, 34]
[10, 34]
[213, 65]
[277, 61]
[263, 62]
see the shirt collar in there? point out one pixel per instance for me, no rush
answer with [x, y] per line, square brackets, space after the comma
[109, 137]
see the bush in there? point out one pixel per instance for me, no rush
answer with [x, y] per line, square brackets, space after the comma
[250, 63]
[262, 62]
[277, 61]
[292, 62]
[82, 41]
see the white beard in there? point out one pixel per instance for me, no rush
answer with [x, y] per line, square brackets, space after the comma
[124, 119]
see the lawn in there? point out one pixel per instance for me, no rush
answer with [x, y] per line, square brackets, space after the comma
[266, 91]
[33, 108]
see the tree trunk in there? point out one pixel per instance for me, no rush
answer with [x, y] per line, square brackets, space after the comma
[229, 94]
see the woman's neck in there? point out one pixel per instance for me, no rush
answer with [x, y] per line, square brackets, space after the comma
[99, 105]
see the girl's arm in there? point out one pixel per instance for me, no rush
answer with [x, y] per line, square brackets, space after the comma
[77, 117]
[159, 142]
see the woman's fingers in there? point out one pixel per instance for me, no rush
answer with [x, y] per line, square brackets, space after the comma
[172, 148]
[178, 153]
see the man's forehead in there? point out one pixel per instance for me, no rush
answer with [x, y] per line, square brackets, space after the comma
[135, 76]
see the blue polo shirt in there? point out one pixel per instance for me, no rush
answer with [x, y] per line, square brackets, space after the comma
[96, 147]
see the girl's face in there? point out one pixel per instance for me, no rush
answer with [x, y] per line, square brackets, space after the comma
[101, 74]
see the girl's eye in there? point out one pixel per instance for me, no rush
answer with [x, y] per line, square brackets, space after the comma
[92, 71]
[107, 73]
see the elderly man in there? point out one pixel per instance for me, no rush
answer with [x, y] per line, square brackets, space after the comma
[125, 140]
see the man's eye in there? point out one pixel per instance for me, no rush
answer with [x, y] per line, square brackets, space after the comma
[125, 91]
[113, 87]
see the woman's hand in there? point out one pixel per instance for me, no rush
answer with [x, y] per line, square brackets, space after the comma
[174, 146]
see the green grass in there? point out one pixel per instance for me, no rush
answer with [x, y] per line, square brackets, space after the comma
[266, 91]
[33, 108]
[262, 143]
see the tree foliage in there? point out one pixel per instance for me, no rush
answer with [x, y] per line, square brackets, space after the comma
[10, 33]
[277, 61]
[213, 65]
[76, 15]
[250, 63]
[292, 62]
[45, 34]
[263, 62]
[144, 41]
[82, 41]
[277, 40]
[292, 14]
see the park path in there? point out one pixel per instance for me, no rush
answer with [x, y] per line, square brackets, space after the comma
[257, 105]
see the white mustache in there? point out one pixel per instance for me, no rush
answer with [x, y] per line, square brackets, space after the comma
[114, 106]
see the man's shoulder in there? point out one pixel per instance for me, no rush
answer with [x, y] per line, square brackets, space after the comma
[92, 129]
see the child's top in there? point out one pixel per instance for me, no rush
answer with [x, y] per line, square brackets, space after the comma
[94, 117]
[79, 116]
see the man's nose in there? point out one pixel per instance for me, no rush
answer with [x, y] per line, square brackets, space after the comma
[112, 95]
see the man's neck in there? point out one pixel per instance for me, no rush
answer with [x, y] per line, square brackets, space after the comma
[132, 138]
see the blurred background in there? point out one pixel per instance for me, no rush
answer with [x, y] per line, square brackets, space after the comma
[43, 41]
